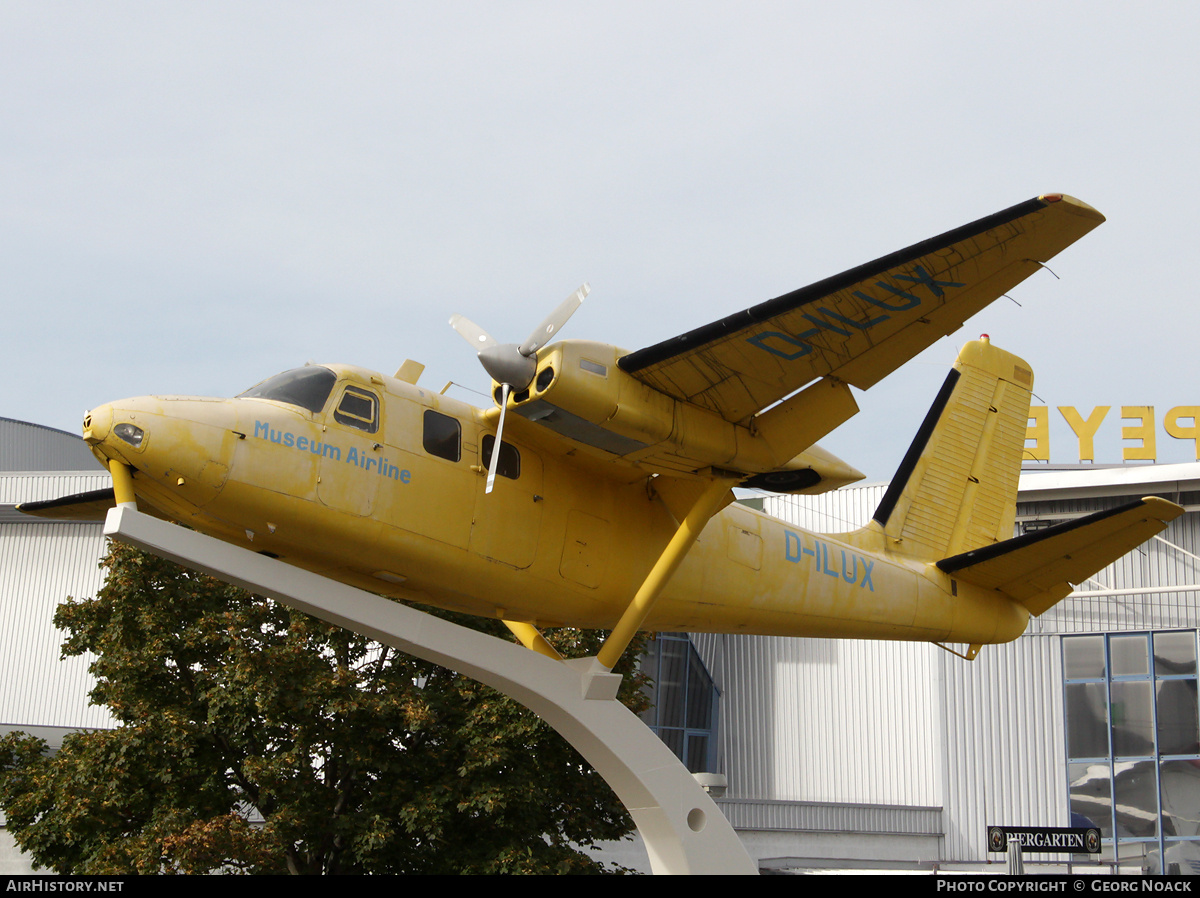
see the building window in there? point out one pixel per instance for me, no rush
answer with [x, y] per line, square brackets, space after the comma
[683, 701]
[1133, 745]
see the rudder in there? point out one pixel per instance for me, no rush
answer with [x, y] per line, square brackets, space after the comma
[956, 488]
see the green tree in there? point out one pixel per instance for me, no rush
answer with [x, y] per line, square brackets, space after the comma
[259, 739]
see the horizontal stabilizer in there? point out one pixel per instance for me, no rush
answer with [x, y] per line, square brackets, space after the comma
[1038, 569]
[87, 507]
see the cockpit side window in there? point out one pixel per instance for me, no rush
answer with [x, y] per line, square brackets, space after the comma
[358, 408]
[510, 458]
[307, 387]
[442, 436]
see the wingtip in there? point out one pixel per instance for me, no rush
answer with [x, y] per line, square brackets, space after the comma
[1077, 206]
[1163, 509]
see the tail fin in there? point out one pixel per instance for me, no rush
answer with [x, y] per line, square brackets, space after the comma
[956, 489]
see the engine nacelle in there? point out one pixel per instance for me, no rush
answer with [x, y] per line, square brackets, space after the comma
[580, 393]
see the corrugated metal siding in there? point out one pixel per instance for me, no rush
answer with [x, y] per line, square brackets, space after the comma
[807, 816]
[711, 648]
[831, 720]
[1004, 752]
[32, 447]
[855, 722]
[833, 512]
[40, 566]
[26, 486]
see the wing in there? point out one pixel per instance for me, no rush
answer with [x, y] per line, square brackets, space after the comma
[864, 323]
[85, 507]
[1037, 569]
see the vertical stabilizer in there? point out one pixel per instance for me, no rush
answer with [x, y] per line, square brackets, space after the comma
[956, 489]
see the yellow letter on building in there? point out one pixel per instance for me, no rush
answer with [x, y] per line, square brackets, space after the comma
[1039, 432]
[1143, 432]
[1085, 431]
[1174, 428]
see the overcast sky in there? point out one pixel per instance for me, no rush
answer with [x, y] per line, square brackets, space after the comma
[196, 196]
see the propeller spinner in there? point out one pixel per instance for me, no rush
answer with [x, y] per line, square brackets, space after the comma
[513, 365]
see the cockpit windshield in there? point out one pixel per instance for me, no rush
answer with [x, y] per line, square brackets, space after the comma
[306, 387]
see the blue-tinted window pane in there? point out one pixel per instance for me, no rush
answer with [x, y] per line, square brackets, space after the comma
[649, 664]
[674, 740]
[1130, 655]
[1136, 799]
[672, 671]
[1179, 782]
[1183, 859]
[1083, 657]
[1174, 654]
[700, 699]
[1132, 719]
[1087, 722]
[1091, 796]
[1178, 733]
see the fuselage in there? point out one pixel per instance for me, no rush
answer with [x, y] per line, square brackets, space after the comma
[379, 483]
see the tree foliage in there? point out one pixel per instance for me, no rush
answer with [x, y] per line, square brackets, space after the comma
[258, 739]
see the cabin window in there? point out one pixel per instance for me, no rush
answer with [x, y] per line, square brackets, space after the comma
[306, 387]
[358, 408]
[442, 436]
[510, 458]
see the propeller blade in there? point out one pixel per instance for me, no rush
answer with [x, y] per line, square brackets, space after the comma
[471, 332]
[543, 332]
[494, 463]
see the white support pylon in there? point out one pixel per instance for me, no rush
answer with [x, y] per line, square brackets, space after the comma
[682, 827]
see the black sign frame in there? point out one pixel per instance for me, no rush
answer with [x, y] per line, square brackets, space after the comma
[1045, 839]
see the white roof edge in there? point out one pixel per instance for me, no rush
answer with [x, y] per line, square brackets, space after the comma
[1180, 476]
[99, 472]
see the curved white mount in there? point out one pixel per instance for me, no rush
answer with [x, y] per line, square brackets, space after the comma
[683, 829]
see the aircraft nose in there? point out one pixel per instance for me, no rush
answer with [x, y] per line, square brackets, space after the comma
[110, 431]
[97, 424]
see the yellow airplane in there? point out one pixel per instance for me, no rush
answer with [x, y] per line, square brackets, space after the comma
[612, 508]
